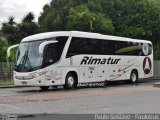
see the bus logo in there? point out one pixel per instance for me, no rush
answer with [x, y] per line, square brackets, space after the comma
[147, 65]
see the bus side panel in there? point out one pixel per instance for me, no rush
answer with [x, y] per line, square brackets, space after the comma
[81, 74]
[71, 64]
[53, 75]
[144, 66]
[102, 72]
[126, 65]
[79, 70]
[147, 66]
[66, 70]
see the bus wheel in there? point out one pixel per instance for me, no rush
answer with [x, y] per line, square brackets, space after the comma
[133, 77]
[44, 88]
[70, 81]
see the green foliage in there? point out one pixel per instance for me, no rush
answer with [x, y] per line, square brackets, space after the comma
[80, 15]
[81, 18]
[130, 18]
[6, 83]
[3, 51]
[50, 24]
[11, 21]
[29, 17]
[28, 28]
[9, 29]
[54, 16]
[15, 32]
[135, 19]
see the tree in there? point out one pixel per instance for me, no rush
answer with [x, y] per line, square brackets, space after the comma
[50, 24]
[11, 21]
[135, 19]
[28, 26]
[139, 14]
[9, 29]
[60, 14]
[14, 32]
[28, 18]
[3, 50]
[54, 16]
[81, 18]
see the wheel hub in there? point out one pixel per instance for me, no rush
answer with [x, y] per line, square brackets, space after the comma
[70, 81]
[134, 77]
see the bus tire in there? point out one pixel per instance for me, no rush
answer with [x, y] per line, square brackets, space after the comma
[44, 88]
[70, 81]
[134, 76]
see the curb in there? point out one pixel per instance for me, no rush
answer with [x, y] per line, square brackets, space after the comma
[11, 86]
[156, 84]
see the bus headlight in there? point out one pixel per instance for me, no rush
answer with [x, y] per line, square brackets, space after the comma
[34, 75]
[37, 74]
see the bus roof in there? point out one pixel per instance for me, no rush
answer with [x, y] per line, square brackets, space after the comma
[45, 35]
[78, 34]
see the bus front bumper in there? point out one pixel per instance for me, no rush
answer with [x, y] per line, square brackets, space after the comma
[38, 81]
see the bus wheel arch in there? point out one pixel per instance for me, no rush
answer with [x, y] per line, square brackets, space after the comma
[71, 80]
[134, 76]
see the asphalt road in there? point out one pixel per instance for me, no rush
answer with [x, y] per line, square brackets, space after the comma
[118, 98]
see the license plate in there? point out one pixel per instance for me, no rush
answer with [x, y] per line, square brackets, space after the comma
[24, 82]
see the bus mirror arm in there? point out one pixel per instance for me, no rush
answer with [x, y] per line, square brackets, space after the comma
[9, 49]
[43, 44]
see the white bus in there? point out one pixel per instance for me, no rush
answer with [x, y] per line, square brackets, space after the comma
[70, 58]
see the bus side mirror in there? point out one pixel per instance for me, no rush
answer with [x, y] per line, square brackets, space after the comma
[43, 44]
[9, 49]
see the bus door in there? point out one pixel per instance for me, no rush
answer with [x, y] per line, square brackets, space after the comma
[53, 75]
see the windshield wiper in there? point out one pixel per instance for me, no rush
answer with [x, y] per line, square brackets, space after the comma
[24, 61]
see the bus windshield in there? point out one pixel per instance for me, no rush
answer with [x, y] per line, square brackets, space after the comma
[28, 57]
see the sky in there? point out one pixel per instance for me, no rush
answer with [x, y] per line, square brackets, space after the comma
[19, 8]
